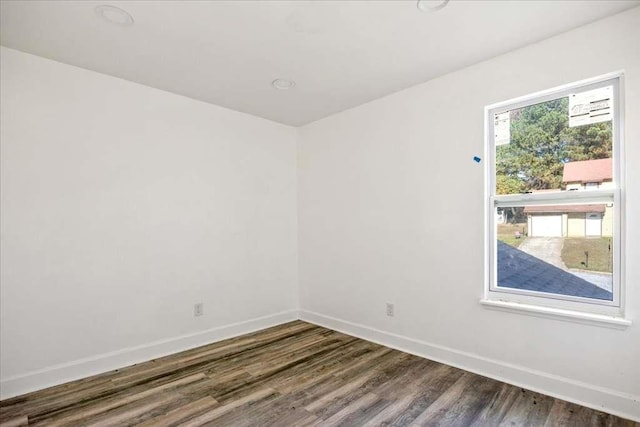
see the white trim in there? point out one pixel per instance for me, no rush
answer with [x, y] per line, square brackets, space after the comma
[619, 216]
[553, 301]
[558, 313]
[82, 368]
[560, 197]
[599, 398]
[549, 94]
[615, 307]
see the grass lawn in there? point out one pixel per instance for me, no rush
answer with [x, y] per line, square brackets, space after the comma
[507, 233]
[600, 258]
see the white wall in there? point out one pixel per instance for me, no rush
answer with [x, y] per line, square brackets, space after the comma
[122, 206]
[390, 208]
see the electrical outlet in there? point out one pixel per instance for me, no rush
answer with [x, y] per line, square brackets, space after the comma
[390, 309]
[198, 309]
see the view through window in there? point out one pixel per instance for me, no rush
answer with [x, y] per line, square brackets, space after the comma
[553, 195]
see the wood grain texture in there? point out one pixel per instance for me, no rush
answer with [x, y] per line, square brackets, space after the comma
[296, 374]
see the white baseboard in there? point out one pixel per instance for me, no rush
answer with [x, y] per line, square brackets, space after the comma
[599, 398]
[611, 401]
[82, 368]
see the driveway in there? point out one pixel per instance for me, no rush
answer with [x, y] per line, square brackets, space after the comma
[548, 249]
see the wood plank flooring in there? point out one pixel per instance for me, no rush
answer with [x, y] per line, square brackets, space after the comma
[296, 374]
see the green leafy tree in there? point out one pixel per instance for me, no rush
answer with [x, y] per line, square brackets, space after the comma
[589, 142]
[542, 142]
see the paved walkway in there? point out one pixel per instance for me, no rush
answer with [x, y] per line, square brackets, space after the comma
[601, 280]
[548, 249]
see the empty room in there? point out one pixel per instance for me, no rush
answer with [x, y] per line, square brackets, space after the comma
[320, 213]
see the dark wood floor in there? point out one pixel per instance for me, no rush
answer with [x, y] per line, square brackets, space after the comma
[295, 374]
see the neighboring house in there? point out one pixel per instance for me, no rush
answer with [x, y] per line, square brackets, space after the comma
[588, 175]
[576, 220]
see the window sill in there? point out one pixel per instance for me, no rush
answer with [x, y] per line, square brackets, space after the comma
[556, 313]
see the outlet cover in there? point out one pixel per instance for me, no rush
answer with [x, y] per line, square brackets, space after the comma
[390, 309]
[198, 309]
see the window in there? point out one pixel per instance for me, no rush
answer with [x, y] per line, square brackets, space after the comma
[553, 199]
[591, 185]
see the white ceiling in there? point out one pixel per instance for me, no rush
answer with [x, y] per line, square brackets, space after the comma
[340, 53]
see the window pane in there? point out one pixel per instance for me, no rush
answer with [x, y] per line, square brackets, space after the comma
[559, 249]
[550, 146]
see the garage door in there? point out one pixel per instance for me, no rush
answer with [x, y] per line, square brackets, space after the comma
[593, 227]
[546, 226]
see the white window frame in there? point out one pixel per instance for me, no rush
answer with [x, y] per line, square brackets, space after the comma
[541, 303]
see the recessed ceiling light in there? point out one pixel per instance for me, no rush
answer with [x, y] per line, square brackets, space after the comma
[283, 84]
[431, 5]
[114, 15]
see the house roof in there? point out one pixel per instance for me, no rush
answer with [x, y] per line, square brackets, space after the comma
[564, 208]
[588, 171]
[519, 270]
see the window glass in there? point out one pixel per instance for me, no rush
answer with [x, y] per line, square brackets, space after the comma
[562, 249]
[553, 221]
[534, 143]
